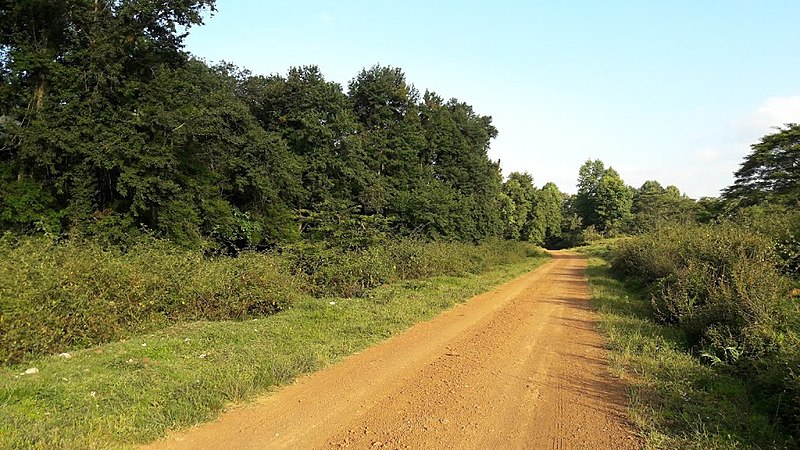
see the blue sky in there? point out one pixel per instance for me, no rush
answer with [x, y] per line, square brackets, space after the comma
[673, 90]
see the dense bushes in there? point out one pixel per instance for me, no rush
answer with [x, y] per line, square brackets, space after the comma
[333, 272]
[722, 285]
[58, 296]
[61, 296]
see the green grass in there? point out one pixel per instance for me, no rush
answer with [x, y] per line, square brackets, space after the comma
[134, 391]
[674, 400]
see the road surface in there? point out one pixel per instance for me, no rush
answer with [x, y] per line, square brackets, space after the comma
[521, 366]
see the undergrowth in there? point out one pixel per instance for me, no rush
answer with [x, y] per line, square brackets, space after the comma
[677, 397]
[56, 297]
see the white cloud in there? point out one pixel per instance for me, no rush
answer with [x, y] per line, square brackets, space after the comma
[327, 18]
[775, 111]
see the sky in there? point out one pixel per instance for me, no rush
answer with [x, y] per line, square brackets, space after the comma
[674, 91]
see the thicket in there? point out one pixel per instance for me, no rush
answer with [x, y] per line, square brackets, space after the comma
[725, 286]
[60, 296]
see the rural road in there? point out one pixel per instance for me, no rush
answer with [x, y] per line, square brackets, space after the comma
[518, 367]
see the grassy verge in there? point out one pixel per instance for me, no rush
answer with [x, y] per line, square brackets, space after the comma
[674, 399]
[134, 391]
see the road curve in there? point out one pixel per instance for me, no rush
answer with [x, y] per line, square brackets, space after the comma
[521, 366]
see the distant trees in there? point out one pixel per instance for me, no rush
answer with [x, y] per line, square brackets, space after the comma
[531, 214]
[108, 128]
[654, 205]
[603, 200]
[520, 209]
[548, 213]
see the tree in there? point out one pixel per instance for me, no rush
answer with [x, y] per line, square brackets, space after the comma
[589, 176]
[114, 126]
[771, 172]
[520, 192]
[393, 138]
[603, 200]
[614, 199]
[548, 213]
[654, 205]
[316, 120]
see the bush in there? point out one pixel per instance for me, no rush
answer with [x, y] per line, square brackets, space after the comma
[58, 296]
[61, 296]
[739, 311]
[353, 272]
[723, 285]
[653, 256]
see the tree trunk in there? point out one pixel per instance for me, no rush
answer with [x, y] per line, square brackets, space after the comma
[40, 92]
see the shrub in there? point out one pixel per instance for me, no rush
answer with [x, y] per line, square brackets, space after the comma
[353, 272]
[723, 286]
[57, 296]
[60, 296]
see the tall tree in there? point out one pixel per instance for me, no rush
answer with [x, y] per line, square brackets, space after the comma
[771, 171]
[316, 120]
[393, 138]
[586, 202]
[654, 205]
[114, 124]
[603, 200]
[520, 191]
[548, 214]
[614, 199]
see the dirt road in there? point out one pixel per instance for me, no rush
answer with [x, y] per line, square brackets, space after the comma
[518, 367]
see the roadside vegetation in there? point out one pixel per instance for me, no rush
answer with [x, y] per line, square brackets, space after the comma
[59, 297]
[701, 306]
[676, 397]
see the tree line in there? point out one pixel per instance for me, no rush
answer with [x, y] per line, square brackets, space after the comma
[109, 128]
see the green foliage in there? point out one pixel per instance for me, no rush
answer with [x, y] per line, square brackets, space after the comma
[603, 199]
[519, 211]
[770, 172]
[589, 176]
[74, 295]
[194, 153]
[354, 272]
[138, 390]
[316, 120]
[61, 296]
[782, 225]
[654, 206]
[613, 202]
[26, 205]
[675, 399]
[530, 214]
[548, 213]
[722, 287]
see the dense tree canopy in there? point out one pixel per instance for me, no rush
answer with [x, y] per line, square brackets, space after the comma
[109, 128]
[654, 205]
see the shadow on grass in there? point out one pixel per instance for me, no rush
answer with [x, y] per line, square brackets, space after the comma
[675, 401]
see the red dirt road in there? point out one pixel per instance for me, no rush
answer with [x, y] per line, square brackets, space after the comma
[518, 367]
